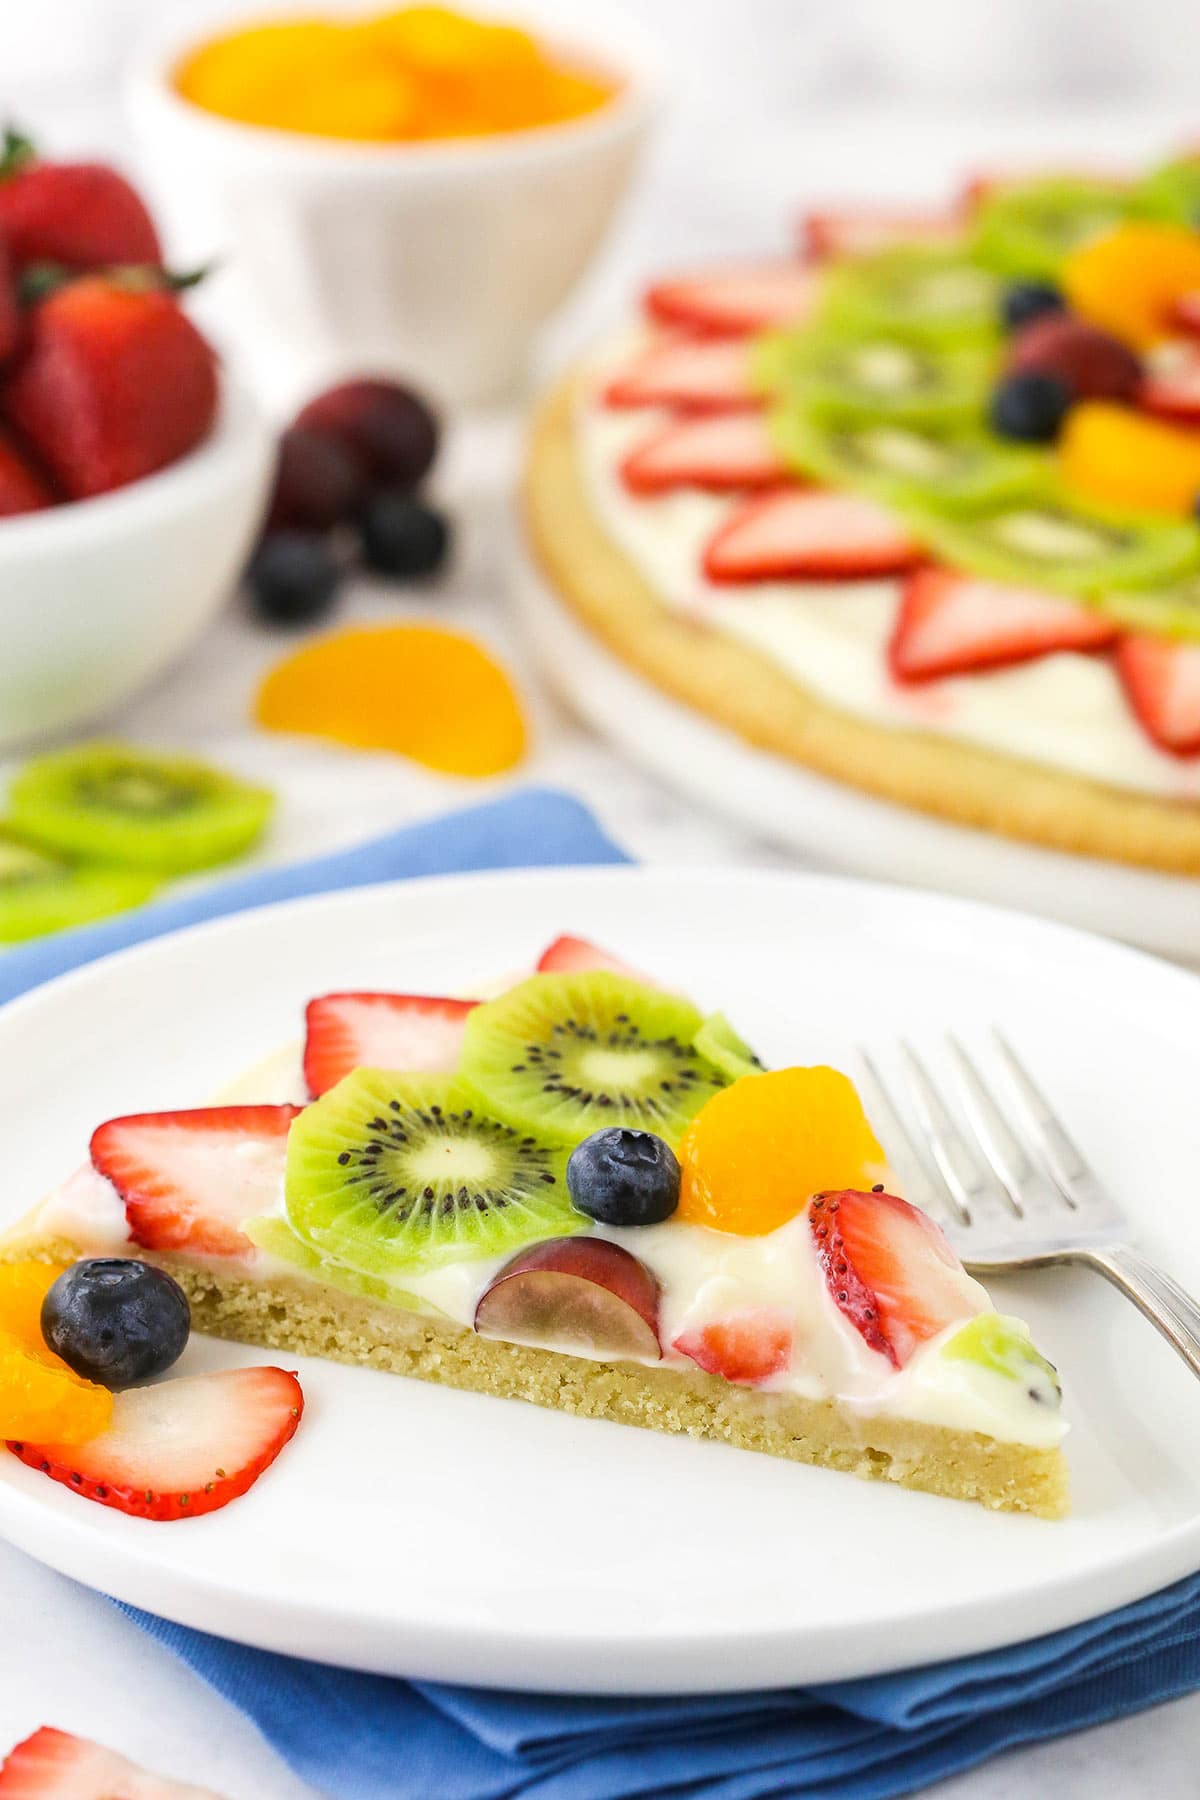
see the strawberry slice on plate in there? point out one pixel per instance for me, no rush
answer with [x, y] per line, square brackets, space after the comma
[1170, 387]
[179, 1448]
[414, 1032]
[569, 955]
[810, 534]
[189, 1179]
[889, 1269]
[951, 624]
[735, 299]
[746, 1347]
[866, 230]
[691, 374]
[720, 455]
[1161, 678]
[55, 1765]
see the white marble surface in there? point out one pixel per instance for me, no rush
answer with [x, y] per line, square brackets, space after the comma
[753, 134]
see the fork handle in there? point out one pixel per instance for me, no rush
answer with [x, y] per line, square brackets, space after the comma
[1169, 1308]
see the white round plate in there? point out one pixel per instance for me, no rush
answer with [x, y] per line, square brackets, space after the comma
[840, 825]
[415, 1530]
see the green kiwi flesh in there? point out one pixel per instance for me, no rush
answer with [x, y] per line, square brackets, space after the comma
[938, 296]
[1173, 192]
[41, 892]
[568, 1054]
[726, 1049]
[883, 375]
[900, 462]
[1172, 610]
[277, 1238]
[1048, 539]
[126, 806]
[396, 1174]
[1027, 228]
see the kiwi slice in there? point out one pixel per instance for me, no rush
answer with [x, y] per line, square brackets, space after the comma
[41, 892]
[1173, 192]
[388, 1174]
[1047, 539]
[938, 296]
[567, 1054]
[277, 1238]
[122, 805]
[722, 1046]
[899, 462]
[1029, 227]
[1172, 610]
[885, 375]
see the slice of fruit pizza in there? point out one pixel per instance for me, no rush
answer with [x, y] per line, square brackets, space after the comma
[582, 1193]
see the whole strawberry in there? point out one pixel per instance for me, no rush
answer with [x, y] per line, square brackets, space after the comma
[79, 215]
[10, 308]
[22, 488]
[115, 382]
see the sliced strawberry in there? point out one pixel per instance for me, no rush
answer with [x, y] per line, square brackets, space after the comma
[736, 299]
[866, 230]
[951, 624]
[189, 1179]
[746, 1347]
[721, 455]
[179, 1448]
[575, 955]
[414, 1032]
[54, 1765]
[1161, 678]
[695, 375]
[809, 533]
[1171, 385]
[889, 1269]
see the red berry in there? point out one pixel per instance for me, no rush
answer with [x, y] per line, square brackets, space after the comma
[380, 1031]
[114, 383]
[319, 481]
[1093, 365]
[386, 425]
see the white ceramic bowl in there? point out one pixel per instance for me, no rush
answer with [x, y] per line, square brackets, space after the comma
[434, 260]
[98, 596]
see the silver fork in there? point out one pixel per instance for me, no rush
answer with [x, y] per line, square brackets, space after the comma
[1018, 1196]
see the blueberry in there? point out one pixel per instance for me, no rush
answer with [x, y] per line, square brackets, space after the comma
[1030, 406]
[116, 1321]
[293, 577]
[401, 537]
[624, 1177]
[1026, 300]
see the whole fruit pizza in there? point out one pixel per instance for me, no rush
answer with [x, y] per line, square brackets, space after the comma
[917, 509]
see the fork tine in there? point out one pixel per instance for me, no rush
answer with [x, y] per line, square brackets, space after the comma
[924, 1184]
[969, 1179]
[1062, 1155]
[1028, 1184]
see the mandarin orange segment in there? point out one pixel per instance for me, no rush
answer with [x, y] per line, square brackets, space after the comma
[434, 695]
[757, 1151]
[47, 1403]
[23, 1287]
[1130, 280]
[40, 1397]
[1123, 458]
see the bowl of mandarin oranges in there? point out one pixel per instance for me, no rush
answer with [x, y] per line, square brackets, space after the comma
[412, 188]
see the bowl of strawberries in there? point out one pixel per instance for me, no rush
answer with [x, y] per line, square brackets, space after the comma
[133, 471]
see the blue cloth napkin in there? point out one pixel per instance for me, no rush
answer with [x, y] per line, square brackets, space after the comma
[365, 1737]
